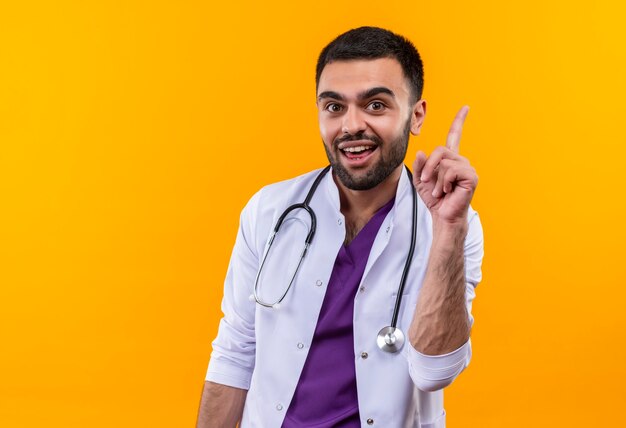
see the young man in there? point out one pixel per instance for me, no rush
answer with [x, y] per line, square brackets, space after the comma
[306, 349]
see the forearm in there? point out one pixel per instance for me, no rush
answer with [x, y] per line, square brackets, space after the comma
[441, 322]
[221, 406]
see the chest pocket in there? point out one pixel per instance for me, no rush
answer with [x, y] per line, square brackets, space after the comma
[410, 293]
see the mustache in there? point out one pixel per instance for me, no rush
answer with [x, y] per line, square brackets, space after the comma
[357, 137]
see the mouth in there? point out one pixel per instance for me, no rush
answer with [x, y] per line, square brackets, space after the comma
[357, 152]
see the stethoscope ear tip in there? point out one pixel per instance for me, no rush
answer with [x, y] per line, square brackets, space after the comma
[276, 306]
[251, 298]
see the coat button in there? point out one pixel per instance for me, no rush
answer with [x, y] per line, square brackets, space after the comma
[319, 282]
[279, 407]
[340, 222]
[300, 345]
[362, 289]
[364, 355]
[370, 421]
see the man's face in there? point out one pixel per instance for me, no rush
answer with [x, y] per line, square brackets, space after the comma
[365, 119]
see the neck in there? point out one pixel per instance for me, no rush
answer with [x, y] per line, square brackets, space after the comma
[359, 206]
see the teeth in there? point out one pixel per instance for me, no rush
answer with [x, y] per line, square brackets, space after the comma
[355, 149]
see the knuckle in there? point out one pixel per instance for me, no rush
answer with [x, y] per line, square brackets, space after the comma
[439, 150]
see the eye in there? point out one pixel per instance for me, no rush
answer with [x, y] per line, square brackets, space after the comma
[333, 107]
[376, 106]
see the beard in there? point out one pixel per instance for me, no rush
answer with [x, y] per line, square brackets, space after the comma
[387, 163]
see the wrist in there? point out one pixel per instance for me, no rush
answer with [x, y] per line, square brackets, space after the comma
[450, 229]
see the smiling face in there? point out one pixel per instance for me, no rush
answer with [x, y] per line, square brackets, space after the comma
[365, 118]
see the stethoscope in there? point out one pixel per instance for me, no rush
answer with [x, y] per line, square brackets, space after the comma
[390, 338]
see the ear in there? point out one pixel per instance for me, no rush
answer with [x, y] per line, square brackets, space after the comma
[417, 116]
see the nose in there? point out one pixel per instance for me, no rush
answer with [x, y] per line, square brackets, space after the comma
[353, 122]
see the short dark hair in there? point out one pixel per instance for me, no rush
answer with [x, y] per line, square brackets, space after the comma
[374, 43]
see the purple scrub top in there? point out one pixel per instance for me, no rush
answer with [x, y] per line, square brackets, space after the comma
[326, 395]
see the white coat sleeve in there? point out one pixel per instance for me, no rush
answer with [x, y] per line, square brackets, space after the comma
[233, 356]
[434, 372]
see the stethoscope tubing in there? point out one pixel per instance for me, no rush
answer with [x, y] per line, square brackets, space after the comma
[407, 265]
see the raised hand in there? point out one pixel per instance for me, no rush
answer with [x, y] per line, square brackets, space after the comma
[445, 180]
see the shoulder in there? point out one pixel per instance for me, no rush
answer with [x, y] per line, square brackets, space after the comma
[288, 186]
[282, 193]
[475, 230]
[474, 248]
[263, 208]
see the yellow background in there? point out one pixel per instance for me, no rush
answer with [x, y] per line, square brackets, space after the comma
[133, 132]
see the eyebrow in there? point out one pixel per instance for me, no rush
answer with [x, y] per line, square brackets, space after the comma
[330, 94]
[375, 91]
[362, 96]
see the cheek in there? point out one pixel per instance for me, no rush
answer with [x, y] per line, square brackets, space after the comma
[386, 128]
[328, 130]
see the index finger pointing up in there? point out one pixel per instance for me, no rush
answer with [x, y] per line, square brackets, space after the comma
[454, 136]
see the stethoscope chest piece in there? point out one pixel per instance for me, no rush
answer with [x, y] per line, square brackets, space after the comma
[390, 339]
